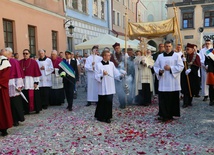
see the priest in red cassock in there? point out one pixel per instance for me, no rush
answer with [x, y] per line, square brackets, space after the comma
[31, 83]
[57, 92]
[6, 120]
[15, 86]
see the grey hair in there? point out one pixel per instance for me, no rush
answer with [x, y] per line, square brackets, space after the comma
[54, 52]
[41, 50]
[9, 49]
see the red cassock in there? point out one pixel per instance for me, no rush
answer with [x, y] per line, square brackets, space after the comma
[6, 120]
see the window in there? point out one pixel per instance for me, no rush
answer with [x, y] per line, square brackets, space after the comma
[32, 39]
[8, 33]
[103, 9]
[118, 19]
[69, 41]
[95, 8]
[150, 18]
[209, 19]
[75, 4]
[124, 2]
[124, 21]
[84, 6]
[188, 20]
[113, 17]
[54, 40]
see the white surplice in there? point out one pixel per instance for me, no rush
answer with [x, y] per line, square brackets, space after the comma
[57, 80]
[92, 91]
[204, 86]
[169, 81]
[45, 79]
[13, 85]
[106, 84]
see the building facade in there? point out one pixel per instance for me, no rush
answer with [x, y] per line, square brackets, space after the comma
[155, 11]
[194, 16]
[33, 25]
[119, 10]
[90, 19]
[137, 11]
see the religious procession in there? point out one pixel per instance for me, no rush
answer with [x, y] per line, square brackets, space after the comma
[106, 77]
[167, 76]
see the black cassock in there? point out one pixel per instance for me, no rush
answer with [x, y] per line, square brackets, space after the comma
[210, 77]
[104, 107]
[193, 80]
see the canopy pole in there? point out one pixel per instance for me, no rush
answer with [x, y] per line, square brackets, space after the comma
[125, 59]
[181, 42]
[126, 33]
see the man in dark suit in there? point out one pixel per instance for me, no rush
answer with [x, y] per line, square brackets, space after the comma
[68, 81]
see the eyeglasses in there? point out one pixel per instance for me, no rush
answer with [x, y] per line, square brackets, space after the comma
[25, 53]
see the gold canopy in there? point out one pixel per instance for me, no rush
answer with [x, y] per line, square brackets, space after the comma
[152, 29]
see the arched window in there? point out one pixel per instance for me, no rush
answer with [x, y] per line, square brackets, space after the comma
[150, 18]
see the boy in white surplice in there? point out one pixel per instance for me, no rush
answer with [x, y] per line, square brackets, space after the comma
[105, 72]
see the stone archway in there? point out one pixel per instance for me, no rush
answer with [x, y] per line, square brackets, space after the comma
[153, 43]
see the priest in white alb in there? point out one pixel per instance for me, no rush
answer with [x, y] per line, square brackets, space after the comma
[92, 84]
[168, 68]
[46, 68]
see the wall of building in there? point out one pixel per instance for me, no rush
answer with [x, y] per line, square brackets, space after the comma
[192, 35]
[23, 15]
[155, 11]
[87, 26]
[55, 6]
[119, 6]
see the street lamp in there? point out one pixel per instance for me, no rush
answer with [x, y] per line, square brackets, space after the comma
[70, 28]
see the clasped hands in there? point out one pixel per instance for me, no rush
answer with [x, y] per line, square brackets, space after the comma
[166, 67]
[42, 68]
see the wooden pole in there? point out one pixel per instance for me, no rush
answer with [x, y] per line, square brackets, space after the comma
[126, 33]
[181, 42]
[176, 40]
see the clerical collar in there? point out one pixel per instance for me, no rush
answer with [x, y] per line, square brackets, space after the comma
[42, 59]
[105, 62]
[169, 54]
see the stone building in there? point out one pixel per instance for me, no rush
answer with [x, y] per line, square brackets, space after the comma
[194, 16]
[90, 18]
[32, 24]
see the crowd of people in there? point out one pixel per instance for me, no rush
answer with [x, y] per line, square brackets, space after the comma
[32, 84]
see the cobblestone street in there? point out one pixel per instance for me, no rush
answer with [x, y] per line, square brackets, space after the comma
[132, 131]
